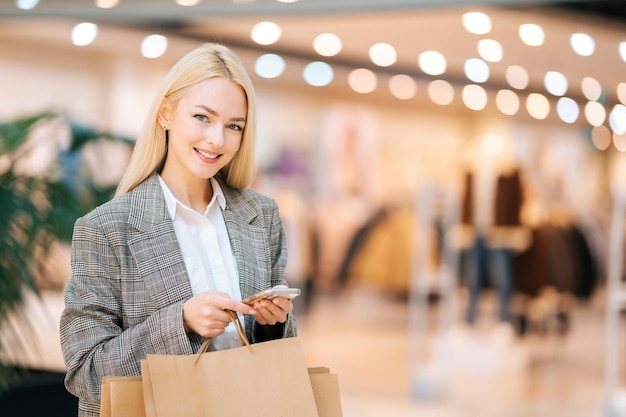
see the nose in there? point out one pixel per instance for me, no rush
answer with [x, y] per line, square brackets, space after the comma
[215, 134]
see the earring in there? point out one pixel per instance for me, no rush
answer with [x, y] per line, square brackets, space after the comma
[164, 127]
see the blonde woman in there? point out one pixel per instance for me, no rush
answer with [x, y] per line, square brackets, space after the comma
[155, 268]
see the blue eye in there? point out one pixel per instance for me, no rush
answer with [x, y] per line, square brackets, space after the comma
[201, 117]
[236, 128]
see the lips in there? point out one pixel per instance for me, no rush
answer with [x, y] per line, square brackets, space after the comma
[207, 156]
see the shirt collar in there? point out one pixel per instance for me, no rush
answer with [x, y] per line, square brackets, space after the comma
[171, 201]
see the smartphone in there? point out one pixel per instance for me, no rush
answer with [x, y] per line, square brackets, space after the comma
[273, 292]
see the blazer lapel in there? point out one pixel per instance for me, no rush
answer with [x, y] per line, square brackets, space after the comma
[153, 245]
[247, 239]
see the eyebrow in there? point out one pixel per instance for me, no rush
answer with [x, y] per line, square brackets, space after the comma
[214, 113]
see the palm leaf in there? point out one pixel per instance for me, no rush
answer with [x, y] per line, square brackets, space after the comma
[36, 211]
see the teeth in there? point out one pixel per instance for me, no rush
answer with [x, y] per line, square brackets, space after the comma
[207, 155]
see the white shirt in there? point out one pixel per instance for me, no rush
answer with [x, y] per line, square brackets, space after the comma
[206, 249]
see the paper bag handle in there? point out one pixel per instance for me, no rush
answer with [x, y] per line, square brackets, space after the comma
[242, 334]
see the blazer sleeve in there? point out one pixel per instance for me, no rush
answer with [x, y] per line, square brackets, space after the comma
[96, 336]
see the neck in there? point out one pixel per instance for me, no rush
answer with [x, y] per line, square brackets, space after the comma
[193, 192]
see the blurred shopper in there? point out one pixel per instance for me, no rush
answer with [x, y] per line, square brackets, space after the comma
[154, 270]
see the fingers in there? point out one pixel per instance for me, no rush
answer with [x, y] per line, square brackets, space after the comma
[273, 311]
[205, 313]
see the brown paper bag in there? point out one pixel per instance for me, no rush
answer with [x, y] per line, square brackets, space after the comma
[128, 398]
[122, 396]
[148, 396]
[135, 396]
[326, 392]
[266, 379]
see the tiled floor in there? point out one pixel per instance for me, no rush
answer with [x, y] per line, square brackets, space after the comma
[365, 338]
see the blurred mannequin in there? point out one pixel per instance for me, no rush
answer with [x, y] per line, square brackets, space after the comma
[492, 203]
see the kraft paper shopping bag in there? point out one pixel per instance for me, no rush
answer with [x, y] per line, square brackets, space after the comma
[266, 379]
[325, 387]
[122, 397]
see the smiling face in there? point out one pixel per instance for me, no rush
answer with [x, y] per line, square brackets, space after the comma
[205, 131]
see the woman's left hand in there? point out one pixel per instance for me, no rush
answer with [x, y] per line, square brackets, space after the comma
[273, 311]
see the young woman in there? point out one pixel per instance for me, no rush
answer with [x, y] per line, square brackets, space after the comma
[155, 268]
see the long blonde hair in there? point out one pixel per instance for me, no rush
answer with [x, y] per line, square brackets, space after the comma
[207, 61]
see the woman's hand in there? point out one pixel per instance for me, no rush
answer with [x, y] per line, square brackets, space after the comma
[273, 311]
[205, 313]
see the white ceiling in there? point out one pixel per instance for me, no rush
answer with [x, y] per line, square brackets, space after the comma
[411, 27]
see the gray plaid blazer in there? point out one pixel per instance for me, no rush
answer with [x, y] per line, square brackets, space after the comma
[129, 281]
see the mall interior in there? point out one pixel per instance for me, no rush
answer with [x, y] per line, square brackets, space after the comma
[451, 176]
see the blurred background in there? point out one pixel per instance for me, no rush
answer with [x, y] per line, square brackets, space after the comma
[450, 174]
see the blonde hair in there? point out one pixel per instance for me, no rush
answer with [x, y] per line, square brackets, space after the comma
[207, 61]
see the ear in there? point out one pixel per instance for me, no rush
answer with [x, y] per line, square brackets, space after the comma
[164, 114]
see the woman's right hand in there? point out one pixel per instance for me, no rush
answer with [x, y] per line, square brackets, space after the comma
[205, 313]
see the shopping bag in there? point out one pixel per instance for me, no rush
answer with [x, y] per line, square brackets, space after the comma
[325, 387]
[129, 399]
[134, 396]
[262, 380]
[266, 379]
[122, 396]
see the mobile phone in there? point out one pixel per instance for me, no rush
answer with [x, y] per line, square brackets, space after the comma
[273, 292]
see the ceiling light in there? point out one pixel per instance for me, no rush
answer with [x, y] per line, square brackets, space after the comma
[153, 46]
[402, 87]
[383, 54]
[622, 50]
[477, 22]
[84, 34]
[327, 44]
[538, 106]
[490, 50]
[106, 4]
[187, 2]
[582, 44]
[595, 113]
[592, 89]
[621, 92]
[265, 33]
[269, 66]
[287, 1]
[619, 140]
[26, 4]
[517, 77]
[531, 34]
[567, 110]
[617, 119]
[318, 74]
[601, 137]
[476, 70]
[474, 97]
[362, 80]
[432, 63]
[441, 92]
[507, 102]
[555, 83]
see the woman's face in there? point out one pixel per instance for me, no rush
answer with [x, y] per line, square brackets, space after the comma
[205, 129]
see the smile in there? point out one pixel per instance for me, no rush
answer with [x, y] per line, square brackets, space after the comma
[206, 155]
